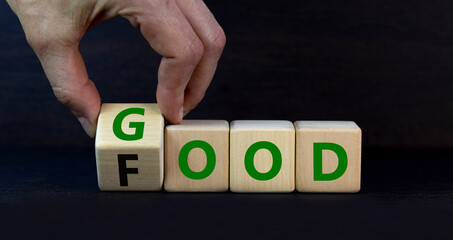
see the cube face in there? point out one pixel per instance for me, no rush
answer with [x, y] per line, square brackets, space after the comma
[196, 156]
[129, 147]
[262, 156]
[328, 156]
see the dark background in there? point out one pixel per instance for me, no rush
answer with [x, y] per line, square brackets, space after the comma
[385, 64]
[388, 65]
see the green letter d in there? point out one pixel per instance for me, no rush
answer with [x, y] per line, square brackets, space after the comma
[139, 126]
[318, 175]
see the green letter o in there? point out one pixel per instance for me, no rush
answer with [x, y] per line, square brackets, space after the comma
[276, 160]
[184, 163]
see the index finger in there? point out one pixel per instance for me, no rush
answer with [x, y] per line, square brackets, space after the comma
[170, 34]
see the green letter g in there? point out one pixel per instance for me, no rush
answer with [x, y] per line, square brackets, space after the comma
[139, 126]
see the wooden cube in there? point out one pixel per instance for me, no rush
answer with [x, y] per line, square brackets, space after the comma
[129, 147]
[262, 156]
[328, 156]
[196, 156]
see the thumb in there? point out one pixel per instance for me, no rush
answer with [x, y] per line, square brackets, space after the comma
[65, 69]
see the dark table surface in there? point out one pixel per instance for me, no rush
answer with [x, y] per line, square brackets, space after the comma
[52, 193]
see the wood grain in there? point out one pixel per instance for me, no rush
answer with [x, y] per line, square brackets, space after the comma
[346, 134]
[243, 134]
[213, 132]
[149, 149]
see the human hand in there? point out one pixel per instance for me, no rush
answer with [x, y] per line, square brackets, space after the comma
[184, 32]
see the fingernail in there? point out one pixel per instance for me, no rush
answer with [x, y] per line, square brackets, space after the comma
[89, 128]
[181, 114]
[186, 112]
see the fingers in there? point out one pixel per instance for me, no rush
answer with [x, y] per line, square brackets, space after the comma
[65, 69]
[54, 36]
[190, 40]
[213, 39]
[170, 34]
